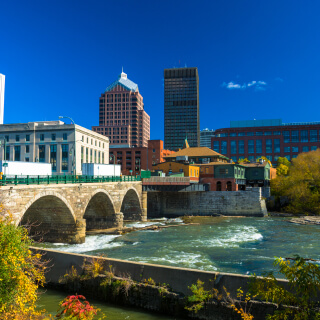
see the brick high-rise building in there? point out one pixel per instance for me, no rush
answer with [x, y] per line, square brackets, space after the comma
[121, 114]
[181, 108]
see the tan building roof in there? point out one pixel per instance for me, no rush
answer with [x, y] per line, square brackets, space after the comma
[195, 152]
[255, 164]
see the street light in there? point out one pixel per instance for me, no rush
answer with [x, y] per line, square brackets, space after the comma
[74, 165]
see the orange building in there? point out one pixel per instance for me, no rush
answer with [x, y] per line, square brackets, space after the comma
[170, 167]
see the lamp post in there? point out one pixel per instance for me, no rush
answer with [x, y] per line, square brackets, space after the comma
[74, 165]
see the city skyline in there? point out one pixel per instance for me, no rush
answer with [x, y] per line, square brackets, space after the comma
[253, 58]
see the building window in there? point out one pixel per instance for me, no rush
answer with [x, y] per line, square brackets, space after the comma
[27, 137]
[17, 138]
[250, 134]
[53, 157]
[276, 158]
[276, 145]
[250, 146]
[241, 146]
[27, 149]
[153, 150]
[65, 137]
[26, 159]
[7, 153]
[42, 153]
[233, 134]
[295, 149]
[65, 157]
[276, 133]
[87, 156]
[224, 147]
[81, 156]
[17, 153]
[269, 158]
[268, 133]
[234, 158]
[233, 147]
[259, 146]
[102, 157]
[7, 138]
[286, 136]
[313, 135]
[288, 157]
[314, 148]
[53, 137]
[42, 137]
[259, 133]
[304, 136]
[295, 136]
[305, 149]
[223, 171]
[91, 155]
[269, 146]
[95, 156]
[219, 186]
[241, 134]
[251, 158]
[287, 149]
[216, 146]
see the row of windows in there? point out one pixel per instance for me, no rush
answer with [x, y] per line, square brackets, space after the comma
[19, 137]
[305, 135]
[255, 146]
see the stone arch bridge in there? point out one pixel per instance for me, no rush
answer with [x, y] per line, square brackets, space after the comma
[63, 213]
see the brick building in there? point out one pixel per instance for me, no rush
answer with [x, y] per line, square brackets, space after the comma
[270, 138]
[138, 158]
[121, 114]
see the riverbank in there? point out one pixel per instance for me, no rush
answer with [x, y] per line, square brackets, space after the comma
[161, 289]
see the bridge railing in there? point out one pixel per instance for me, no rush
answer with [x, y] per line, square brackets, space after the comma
[58, 179]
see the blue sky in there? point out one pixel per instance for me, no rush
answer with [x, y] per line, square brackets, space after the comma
[256, 59]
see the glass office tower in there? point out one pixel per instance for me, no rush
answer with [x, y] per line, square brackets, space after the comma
[181, 108]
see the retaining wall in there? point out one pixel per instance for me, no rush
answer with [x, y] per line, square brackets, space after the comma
[179, 279]
[229, 203]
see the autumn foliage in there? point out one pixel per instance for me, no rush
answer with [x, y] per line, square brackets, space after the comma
[21, 271]
[300, 184]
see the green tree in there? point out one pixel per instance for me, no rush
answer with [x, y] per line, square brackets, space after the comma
[299, 301]
[21, 271]
[283, 165]
[301, 185]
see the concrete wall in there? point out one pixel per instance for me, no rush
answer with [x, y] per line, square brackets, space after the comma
[169, 204]
[179, 279]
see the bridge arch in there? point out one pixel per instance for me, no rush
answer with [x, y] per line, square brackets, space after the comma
[131, 206]
[49, 217]
[100, 211]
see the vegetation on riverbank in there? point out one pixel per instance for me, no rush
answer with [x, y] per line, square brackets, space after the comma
[22, 273]
[297, 185]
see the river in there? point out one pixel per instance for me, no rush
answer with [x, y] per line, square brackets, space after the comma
[224, 244]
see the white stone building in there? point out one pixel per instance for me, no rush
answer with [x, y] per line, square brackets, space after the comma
[65, 146]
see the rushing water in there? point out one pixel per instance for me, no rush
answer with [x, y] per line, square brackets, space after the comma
[50, 302]
[235, 245]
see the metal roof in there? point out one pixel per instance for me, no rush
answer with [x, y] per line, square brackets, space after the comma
[125, 82]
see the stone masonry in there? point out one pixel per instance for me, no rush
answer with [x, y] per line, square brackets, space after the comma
[63, 212]
[235, 203]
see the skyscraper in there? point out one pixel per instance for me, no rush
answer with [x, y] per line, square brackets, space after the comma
[181, 107]
[121, 114]
[2, 80]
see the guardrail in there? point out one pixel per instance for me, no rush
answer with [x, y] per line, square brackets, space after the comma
[167, 179]
[16, 180]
